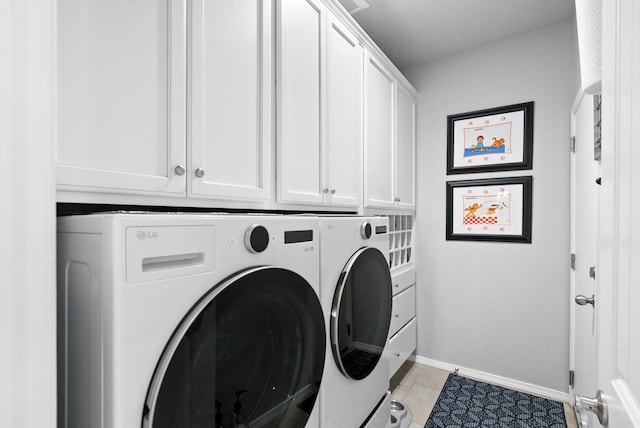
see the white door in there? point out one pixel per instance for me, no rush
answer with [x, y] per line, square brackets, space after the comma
[344, 115]
[121, 95]
[300, 100]
[618, 283]
[405, 148]
[230, 99]
[379, 190]
[584, 229]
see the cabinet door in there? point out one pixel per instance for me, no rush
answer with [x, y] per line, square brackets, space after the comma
[121, 95]
[230, 98]
[405, 148]
[300, 101]
[378, 136]
[344, 116]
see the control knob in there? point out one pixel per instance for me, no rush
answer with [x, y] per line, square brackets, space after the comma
[256, 238]
[365, 230]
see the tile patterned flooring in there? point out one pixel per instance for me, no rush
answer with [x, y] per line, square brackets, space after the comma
[418, 387]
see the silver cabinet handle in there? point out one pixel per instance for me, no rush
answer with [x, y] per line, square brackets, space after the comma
[325, 190]
[397, 354]
[332, 191]
[180, 170]
[199, 172]
[397, 199]
[396, 315]
[583, 300]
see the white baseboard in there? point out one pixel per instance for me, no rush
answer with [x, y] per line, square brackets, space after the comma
[506, 382]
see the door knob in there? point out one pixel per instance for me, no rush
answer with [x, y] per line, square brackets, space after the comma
[583, 300]
[179, 170]
[199, 172]
[597, 405]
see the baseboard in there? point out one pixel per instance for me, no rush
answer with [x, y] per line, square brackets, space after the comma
[506, 382]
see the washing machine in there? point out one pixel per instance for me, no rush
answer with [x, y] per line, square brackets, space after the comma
[356, 297]
[184, 320]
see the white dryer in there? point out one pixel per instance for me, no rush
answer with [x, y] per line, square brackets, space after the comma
[181, 320]
[356, 296]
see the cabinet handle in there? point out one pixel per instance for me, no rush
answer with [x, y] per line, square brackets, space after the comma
[199, 172]
[397, 199]
[180, 170]
[325, 190]
[397, 354]
[396, 315]
[332, 191]
[396, 285]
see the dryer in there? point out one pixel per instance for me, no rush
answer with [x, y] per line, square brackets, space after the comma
[356, 297]
[182, 320]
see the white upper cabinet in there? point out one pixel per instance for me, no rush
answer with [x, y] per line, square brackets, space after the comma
[390, 139]
[121, 94]
[319, 107]
[379, 96]
[300, 100]
[195, 102]
[344, 116]
[405, 148]
[230, 99]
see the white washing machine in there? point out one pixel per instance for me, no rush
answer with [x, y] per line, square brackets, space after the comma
[181, 320]
[356, 296]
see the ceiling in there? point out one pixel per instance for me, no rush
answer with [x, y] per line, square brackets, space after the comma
[413, 32]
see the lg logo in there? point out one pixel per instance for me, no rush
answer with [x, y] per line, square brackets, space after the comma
[146, 235]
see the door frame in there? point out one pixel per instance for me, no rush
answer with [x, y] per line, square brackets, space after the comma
[621, 94]
[27, 220]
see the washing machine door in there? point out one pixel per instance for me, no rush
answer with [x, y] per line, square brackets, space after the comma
[361, 313]
[250, 353]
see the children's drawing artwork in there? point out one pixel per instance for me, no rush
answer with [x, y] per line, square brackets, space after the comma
[496, 209]
[497, 139]
[487, 209]
[487, 140]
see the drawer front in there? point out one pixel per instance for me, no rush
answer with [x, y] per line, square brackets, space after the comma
[404, 308]
[403, 280]
[401, 346]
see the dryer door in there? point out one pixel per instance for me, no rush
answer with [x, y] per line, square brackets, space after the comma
[361, 313]
[249, 353]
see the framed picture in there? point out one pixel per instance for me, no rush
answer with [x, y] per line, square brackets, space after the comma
[495, 209]
[497, 139]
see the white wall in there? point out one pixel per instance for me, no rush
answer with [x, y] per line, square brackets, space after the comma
[498, 308]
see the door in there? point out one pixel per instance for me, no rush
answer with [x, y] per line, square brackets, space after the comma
[584, 229]
[617, 285]
[250, 353]
[379, 135]
[230, 99]
[121, 120]
[300, 101]
[344, 115]
[405, 148]
[361, 313]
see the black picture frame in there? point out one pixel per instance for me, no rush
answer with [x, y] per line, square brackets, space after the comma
[509, 127]
[502, 212]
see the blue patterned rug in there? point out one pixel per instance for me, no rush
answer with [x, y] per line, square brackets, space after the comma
[468, 403]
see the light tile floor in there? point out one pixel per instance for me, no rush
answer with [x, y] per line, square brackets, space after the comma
[418, 387]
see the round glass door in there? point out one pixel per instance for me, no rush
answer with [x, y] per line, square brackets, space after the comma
[250, 353]
[361, 313]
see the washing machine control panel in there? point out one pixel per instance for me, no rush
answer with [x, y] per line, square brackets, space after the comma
[256, 238]
[365, 230]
